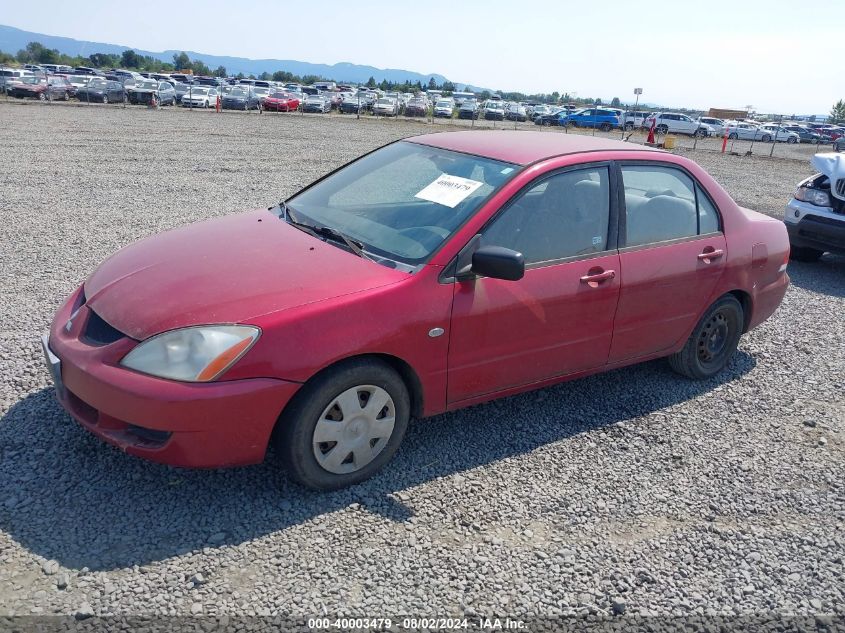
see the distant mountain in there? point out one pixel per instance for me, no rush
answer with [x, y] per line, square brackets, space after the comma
[12, 40]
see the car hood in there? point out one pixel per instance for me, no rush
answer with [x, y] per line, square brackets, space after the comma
[227, 270]
[832, 165]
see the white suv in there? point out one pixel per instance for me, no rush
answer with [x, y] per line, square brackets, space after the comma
[633, 119]
[718, 125]
[815, 216]
[677, 123]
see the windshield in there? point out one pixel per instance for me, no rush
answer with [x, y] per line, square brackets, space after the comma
[147, 85]
[31, 80]
[198, 91]
[237, 93]
[444, 104]
[402, 201]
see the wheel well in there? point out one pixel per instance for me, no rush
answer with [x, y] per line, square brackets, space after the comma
[405, 371]
[745, 301]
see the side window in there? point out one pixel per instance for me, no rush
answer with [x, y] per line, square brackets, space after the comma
[661, 204]
[708, 217]
[564, 215]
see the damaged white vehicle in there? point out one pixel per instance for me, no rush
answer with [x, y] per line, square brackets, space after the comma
[815, 215]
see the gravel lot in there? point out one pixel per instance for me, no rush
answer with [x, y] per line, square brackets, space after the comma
[636, 491]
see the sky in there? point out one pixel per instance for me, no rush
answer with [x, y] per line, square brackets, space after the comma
[778, 56]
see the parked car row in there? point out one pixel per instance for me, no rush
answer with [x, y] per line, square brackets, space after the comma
[57, 82]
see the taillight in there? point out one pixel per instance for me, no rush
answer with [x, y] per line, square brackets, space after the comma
[783, 266]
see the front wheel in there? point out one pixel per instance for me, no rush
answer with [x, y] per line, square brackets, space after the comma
[712, 342]
[629, 126]
[605, 127]
[732, 135]
[766, 138]
[105, 98]
[663, 129]
[791, 139]
[344, 425]
[42, 96]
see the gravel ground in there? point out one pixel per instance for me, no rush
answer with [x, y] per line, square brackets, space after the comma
[636, 491]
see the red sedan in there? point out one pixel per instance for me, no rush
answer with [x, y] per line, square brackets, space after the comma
[281, 102]
[434, 273]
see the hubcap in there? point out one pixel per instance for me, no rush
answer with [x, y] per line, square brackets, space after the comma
[714, 338]
[354, 429]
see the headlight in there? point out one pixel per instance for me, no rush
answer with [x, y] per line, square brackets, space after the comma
[194, 354]
[813, 196]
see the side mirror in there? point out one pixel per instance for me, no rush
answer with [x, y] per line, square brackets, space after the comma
[498, 262]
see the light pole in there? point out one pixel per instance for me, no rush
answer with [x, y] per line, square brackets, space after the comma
[637, 93]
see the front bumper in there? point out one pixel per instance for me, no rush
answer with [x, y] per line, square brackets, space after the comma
[194, 425]
[815, 227]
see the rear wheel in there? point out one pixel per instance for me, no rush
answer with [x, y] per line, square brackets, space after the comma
[105, 98]
[629, 126]
[712, 342]
[42, 96]
[732, 135]
[766, 138]
[791, 139]
[804, 254]
[605, 127]
[663, 129]
[344, 425]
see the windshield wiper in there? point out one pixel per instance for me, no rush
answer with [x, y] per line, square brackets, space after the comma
[323, 231]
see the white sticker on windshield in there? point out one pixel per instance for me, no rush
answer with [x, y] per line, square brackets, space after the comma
[448, 190]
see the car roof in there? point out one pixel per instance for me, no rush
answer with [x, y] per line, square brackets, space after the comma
[523, 147]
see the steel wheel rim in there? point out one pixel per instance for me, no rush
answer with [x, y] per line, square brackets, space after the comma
[713, 339]
[353, 429]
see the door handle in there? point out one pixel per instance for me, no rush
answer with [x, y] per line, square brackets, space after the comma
[708, 255]
[594, 277]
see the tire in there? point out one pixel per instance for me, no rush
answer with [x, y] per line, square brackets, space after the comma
[547, 123]
[699, 133]
[791, 140]
[712, 342]
[105, 98]
[42, 96]
[629, 126]
[766, 138]
[66, 97]
[663, 128]
[315, 410]
[732, 135]
[804, 254]
[605, 127]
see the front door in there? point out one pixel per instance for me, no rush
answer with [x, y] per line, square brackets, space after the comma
[556, 320]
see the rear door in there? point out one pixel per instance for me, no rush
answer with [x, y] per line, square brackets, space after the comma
[672, 253]
[557, 319]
